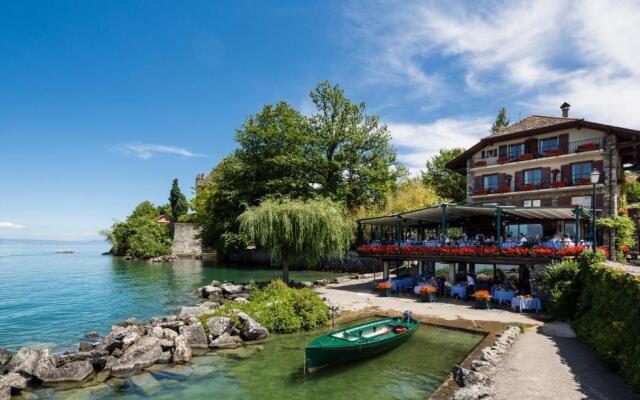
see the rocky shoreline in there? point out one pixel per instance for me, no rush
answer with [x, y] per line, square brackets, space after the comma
[132, 346]
[477, 382]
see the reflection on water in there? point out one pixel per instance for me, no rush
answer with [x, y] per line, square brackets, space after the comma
[49, 299]
[274, 370]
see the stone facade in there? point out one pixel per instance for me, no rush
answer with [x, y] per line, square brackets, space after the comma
[185, 240]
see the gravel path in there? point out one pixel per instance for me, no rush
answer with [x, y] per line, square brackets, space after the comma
[541, 367]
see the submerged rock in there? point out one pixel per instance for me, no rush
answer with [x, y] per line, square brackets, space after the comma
[218, 326]
[251, 329]
[195, 335]
[144, 353]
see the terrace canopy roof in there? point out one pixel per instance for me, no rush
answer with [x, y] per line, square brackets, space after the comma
[455, 213]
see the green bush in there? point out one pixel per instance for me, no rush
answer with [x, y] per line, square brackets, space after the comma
[560, 277]
[278, 308]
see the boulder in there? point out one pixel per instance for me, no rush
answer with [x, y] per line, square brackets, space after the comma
[188, 312]
[49, 373]
[117, 353]
[473, 393]
[13, 380]
[144, 353]
[166, 344]
[240, 299]
[92, 335]
[182, 352]
[251, 329]
[24, 361]
[215, 283]
[229, 288]
[130, 339]
[156, 332]
[5, 357]
[95, 357]
[195, 335]
[209, 290]
[86, 346]
[480, 365]
[225, 341]
[174, 325]
[130, 322]
[306, 284]
[165, 358]
[218, 326]
[5, 392]
[466, 377]
[210, 304]
[169, 334]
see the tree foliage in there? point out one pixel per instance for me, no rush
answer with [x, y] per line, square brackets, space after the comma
[139, 235]
[624, 228]
[447, 184]
[177, 201]
[293, 229]
[340, 152]
[501, 122]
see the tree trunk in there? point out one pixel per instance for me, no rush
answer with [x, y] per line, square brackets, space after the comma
[285, 271]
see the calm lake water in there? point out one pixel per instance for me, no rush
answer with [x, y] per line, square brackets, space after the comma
[274, 371]
[51, 300]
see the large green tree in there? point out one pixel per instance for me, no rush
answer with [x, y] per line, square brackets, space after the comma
[177, 201]
[447, 184]
[297, 229]
[501, 122]
[351, 155]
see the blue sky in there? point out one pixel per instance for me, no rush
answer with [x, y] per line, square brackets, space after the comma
[104, 103]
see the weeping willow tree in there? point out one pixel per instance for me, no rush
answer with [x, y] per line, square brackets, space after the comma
[297, 229]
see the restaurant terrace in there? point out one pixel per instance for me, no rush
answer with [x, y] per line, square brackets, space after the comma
[515, 239]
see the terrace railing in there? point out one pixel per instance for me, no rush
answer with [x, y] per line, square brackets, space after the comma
[549, 150]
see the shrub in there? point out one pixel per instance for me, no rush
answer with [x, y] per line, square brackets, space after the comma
[278, 308]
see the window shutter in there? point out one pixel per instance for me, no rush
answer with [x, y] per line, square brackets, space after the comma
[477, 182]
[531, 146]
[565, 171]
[599, 165]
[563, 143]
[519, 179]
[545, 177]
[502, 179]
[502, 151]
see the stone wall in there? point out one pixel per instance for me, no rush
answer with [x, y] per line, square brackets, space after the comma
[185, 240]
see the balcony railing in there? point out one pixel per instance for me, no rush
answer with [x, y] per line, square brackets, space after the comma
[543, 183]
[548, 150]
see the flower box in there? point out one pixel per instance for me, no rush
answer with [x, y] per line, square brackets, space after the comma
[428, 294]
[525, 156]
[480, 191]
[557, 184]
[587, 147]
[583, 181]
[553, 152]
[480, 163]
[385, 288]
[504, 160]
[525, 187]
[503, 189]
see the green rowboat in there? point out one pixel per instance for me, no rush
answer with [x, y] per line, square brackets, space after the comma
[359, 341]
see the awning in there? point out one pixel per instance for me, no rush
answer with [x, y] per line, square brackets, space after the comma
[540, 212]
[453, 212]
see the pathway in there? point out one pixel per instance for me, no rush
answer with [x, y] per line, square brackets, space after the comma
[545, 364]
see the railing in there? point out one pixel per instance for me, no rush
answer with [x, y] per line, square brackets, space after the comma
[549, 150]
[542, 183]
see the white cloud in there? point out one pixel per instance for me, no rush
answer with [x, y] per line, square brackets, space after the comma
[11, 225]
[147, 151]
[419, 142]
[536, 54]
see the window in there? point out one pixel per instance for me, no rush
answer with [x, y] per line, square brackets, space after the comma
[580, 172]
[491, 182]
[548, 144]
[584, 201]
[531, 203]
[515, 150]
[532, 176]
[490, 153]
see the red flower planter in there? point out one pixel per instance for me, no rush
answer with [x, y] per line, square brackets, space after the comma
[480, 163]
[587, 147]
[504, 160]
[553, 152]
[503, 189]
[558, 184]
[528, 186]
[525, 156]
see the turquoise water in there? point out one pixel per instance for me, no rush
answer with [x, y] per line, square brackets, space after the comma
[49, 299]
[274, 371]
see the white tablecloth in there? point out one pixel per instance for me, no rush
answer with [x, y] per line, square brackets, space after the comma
[526, 304]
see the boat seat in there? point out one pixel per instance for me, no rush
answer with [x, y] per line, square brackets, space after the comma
[380, 332]
[341, 335]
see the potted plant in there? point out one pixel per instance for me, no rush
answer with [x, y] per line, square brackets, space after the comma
[385, 287]
[428, 293]
[480, 163]
[587, 147]
[553, 152]
[557, 184]
[479, 191]
[504, 160]
[482, 298]
[526, 186]
[503, 189]
[583, 181]
[525, 156]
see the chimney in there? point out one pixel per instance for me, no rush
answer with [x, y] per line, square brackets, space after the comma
[565, 109]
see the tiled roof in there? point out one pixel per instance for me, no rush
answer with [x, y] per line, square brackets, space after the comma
[533, 122]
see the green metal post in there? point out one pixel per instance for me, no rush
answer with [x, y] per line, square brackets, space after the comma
[443, 223]
[577, 211]
[499, 228]
[399, 230]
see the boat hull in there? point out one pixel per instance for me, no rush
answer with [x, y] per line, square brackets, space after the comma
[321, 357]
